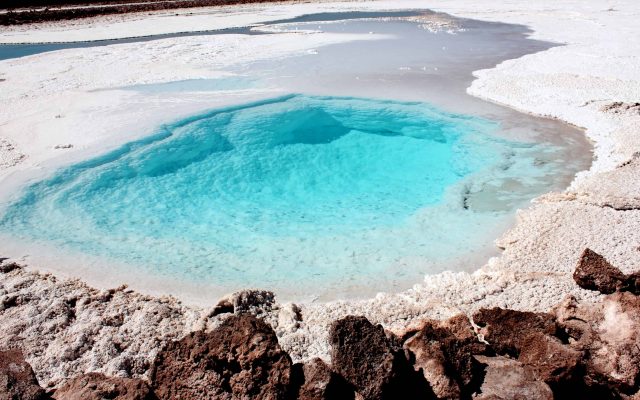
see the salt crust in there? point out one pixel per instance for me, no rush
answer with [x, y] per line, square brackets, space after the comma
[599, 65]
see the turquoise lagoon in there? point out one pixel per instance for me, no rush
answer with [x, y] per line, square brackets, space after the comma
[300, 194]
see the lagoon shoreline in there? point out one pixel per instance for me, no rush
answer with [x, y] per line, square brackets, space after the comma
[575, 83]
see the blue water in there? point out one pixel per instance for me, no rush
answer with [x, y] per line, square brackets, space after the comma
[317, 190]
[10, 51]
[195, 85]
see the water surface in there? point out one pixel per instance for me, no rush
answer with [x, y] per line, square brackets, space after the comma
[366, 168]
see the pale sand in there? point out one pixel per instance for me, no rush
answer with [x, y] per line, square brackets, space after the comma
[599, 64]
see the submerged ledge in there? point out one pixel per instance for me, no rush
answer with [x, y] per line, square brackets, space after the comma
[534, 272]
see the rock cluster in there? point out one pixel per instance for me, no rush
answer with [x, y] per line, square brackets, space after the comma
[577, 350]
[619, 107]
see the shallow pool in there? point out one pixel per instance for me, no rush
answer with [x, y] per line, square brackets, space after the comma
[382, 171]
[298, 190]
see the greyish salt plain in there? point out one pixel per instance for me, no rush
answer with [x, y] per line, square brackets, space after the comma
[55, 99]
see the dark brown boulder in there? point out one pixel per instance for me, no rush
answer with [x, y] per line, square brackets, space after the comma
[506, 331]
[594, 272]
[239, 359]
[552, 361]
[96, 386]
[373, 362]
[17, 380]
[320, 383]
[443, 352]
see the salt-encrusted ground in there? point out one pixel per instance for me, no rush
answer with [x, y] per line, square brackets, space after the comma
[578, 83]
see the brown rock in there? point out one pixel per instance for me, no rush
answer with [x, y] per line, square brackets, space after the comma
[443, 353]
[96, 386]
[252, 302]
[239, 359]
[224, 306]
[6, 267]
[551, 361]
[607, 332]
[594, 272]
[17, 380]
[574, 319]
[508, 379]
[507, 330]
[614, 354]
[320, 383]
[431, 362]
[373, 362]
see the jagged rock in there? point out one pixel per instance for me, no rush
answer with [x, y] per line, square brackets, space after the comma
[594, 272]
[239, 359]
[552, 361]
[574, 319]
[320, 383]
[608, 334]
[224, 306]
[443, 353]
[431, 361]
[614, 354]
[253, 301]
[245, 301]
[373, 362]
[6, 267]
[618, 107]
[508, 379]
[289, 318]
[17, 380]
[507, 330]
[96, 386]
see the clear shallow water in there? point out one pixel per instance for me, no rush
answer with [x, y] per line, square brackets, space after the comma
[303, 191]
[336, 193]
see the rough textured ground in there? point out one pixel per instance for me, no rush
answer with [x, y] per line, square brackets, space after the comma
[593, 81]
[577, 350]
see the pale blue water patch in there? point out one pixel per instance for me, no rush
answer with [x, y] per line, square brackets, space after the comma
[10, 51]
[196, 85]
[299, 194]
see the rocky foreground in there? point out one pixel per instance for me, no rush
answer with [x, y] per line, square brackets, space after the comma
[578, 350]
